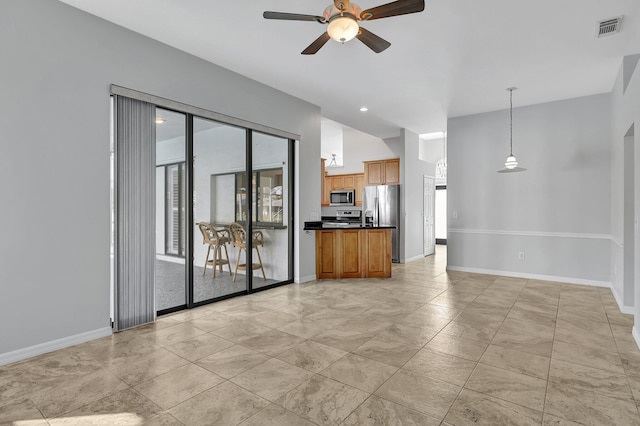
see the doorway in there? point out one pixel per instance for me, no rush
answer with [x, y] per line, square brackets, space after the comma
[441, 214]
[429, 215]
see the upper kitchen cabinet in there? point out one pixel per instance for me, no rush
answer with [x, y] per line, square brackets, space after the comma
[382, 172]
[359, 184]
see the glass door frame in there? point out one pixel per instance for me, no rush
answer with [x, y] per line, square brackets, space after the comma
[189, 210]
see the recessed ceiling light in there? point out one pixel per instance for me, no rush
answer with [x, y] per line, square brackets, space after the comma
[160, 120]
[364, 109]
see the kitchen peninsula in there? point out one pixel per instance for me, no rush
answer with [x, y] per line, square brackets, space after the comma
[352, 251]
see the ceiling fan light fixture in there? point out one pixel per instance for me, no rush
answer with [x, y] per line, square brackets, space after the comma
[343, 29]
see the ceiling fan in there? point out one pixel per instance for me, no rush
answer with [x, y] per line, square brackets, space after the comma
[343, 17]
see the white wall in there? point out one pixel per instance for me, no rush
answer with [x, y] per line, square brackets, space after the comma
[358, 147]
[557, 212]
[57, 65]
[331, 140]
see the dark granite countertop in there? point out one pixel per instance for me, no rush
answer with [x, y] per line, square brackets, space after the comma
[319, 226]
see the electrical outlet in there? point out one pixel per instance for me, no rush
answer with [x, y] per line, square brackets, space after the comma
[314, 216]
[454, 215]
[615, 269]
[521, 255]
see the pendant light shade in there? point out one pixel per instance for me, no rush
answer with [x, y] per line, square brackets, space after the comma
[511, 165]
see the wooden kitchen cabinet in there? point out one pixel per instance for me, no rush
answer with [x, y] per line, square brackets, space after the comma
[350, 253]
[359, 183]
[326, 250]
[382, 172]
[353, 253]
[325, 190]
[323, 186]
[392, 172]
[378, 253]
[337, 182]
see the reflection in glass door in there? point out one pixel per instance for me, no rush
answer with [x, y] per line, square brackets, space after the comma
[219, 199]
[170, 210]
[271, 207]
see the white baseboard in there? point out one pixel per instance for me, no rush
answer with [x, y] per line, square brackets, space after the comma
[306, 279]
[414, 258]
[624, 309]
[568, 280]
[636, 335]
[54, 345]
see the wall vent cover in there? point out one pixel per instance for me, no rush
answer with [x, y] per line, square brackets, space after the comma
[609, 27]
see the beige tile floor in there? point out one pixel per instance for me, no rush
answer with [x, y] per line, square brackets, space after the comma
[425, 347]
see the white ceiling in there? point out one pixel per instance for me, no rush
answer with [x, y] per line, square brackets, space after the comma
[455, 58]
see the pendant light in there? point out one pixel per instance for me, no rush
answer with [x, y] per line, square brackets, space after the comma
[511, 165]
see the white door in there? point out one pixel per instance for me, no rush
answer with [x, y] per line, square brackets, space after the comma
[428, 215]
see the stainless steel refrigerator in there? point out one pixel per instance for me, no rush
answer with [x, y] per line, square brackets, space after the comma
[381, 207]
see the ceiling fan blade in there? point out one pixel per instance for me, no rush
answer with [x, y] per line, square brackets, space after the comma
[317, 44]
[400, 7]
[375, 43]
[293, 17]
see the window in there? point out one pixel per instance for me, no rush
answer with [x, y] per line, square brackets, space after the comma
[266, 198]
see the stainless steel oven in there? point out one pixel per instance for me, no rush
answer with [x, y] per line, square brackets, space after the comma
[342, 197]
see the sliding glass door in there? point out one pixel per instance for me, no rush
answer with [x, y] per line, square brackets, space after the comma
[171, 138]
[271, 202]
[220, 218]
[219, 164]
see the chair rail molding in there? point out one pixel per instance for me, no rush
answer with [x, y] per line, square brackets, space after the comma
[531, 233]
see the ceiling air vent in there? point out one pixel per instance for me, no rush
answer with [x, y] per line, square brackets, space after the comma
[609, 27]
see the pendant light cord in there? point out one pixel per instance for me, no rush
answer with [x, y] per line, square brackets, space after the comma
[511, 121]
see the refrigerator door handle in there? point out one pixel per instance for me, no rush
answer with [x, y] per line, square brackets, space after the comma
[376, 218]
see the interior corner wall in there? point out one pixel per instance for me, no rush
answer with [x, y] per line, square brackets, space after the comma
[412, 178]
[625, 119]
[557, 213]
[58, 65]
[358, 147]
[625, 129]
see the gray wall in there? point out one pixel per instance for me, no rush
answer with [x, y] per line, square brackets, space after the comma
[57, 65]
[557, 212]
[413, 172]
[625, 131]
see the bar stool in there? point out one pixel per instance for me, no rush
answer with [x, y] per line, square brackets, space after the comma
[216, 239]
[240, 240]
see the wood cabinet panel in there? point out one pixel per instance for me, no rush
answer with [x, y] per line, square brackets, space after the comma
[382, 172]
[325, 190]
[326, 250]
[378, 256]
[351, 251]
[337, 182]
[373, 173]
[392, 171]
[348, 182]
[359, 184]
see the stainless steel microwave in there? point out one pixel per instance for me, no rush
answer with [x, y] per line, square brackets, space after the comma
[342, 197]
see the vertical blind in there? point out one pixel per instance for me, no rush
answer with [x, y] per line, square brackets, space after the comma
[135, 213]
